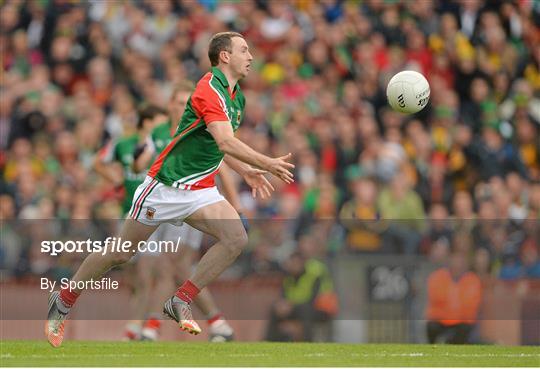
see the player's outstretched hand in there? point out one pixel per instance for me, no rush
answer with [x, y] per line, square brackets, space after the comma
[280, 167]
[259, 184]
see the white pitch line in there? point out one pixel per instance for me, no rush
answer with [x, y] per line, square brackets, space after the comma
[495, 355]
[423, 354]
[247, 355]
[383, 354]
[64, 356]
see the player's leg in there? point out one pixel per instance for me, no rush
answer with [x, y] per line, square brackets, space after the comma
[93, 267]
[97, 264]
[176, 268]
[305, 314]
[145, 277]
[180, 266]
[220, 220]
[223, 222]
[460, 334]
[273, 331]
[150, 195]
[204, 300]
[276, 331]
[163, 281]
[434, 330]
[220, 330]
[132, 330]
[147, 273]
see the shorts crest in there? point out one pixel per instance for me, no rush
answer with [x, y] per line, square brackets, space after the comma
[150, 212]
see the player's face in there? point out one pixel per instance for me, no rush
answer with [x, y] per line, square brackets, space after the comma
[150, 124]
[240, 57]
[177, 104]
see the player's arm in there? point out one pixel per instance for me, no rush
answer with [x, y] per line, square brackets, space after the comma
[238, 166]
[230, 192]
[254, 177]
[223, 134]
[102, 165]
[142, 157]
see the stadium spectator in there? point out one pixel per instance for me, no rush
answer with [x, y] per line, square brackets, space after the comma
[360, 214]
[307, 297]
[454, 296]
[402, 206]
[440, 230]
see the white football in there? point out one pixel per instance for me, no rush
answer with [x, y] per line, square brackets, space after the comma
[408, 92]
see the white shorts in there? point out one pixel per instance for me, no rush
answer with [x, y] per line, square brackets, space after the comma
[155, 203]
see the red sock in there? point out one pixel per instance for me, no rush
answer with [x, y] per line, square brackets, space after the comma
[187, 292]
[68, 297]
[215, 318]
[152, 323]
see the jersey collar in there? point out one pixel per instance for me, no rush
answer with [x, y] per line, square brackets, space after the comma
[222, 79]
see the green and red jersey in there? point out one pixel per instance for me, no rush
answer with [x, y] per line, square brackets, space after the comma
[122, 152]
[161, 136]
[192, 159]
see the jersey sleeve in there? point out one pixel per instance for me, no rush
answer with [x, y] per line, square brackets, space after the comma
[209, 104]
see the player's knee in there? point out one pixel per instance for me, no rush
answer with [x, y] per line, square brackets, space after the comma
[237, 241]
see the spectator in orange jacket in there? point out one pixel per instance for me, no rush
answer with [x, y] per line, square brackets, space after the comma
[454, 296]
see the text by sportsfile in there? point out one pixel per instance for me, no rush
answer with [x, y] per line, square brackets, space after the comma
[111, 244]
[100, 284]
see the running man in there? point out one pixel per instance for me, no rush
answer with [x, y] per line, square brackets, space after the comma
[177, 267]
[180, 186]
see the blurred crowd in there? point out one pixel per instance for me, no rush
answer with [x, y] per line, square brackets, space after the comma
[462, 175]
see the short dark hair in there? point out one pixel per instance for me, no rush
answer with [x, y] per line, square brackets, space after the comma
[148, 112]
[220, 42]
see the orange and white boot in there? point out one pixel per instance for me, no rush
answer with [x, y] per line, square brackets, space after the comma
[54, 326]
[180, 311]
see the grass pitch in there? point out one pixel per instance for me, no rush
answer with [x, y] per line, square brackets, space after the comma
[84, 353]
